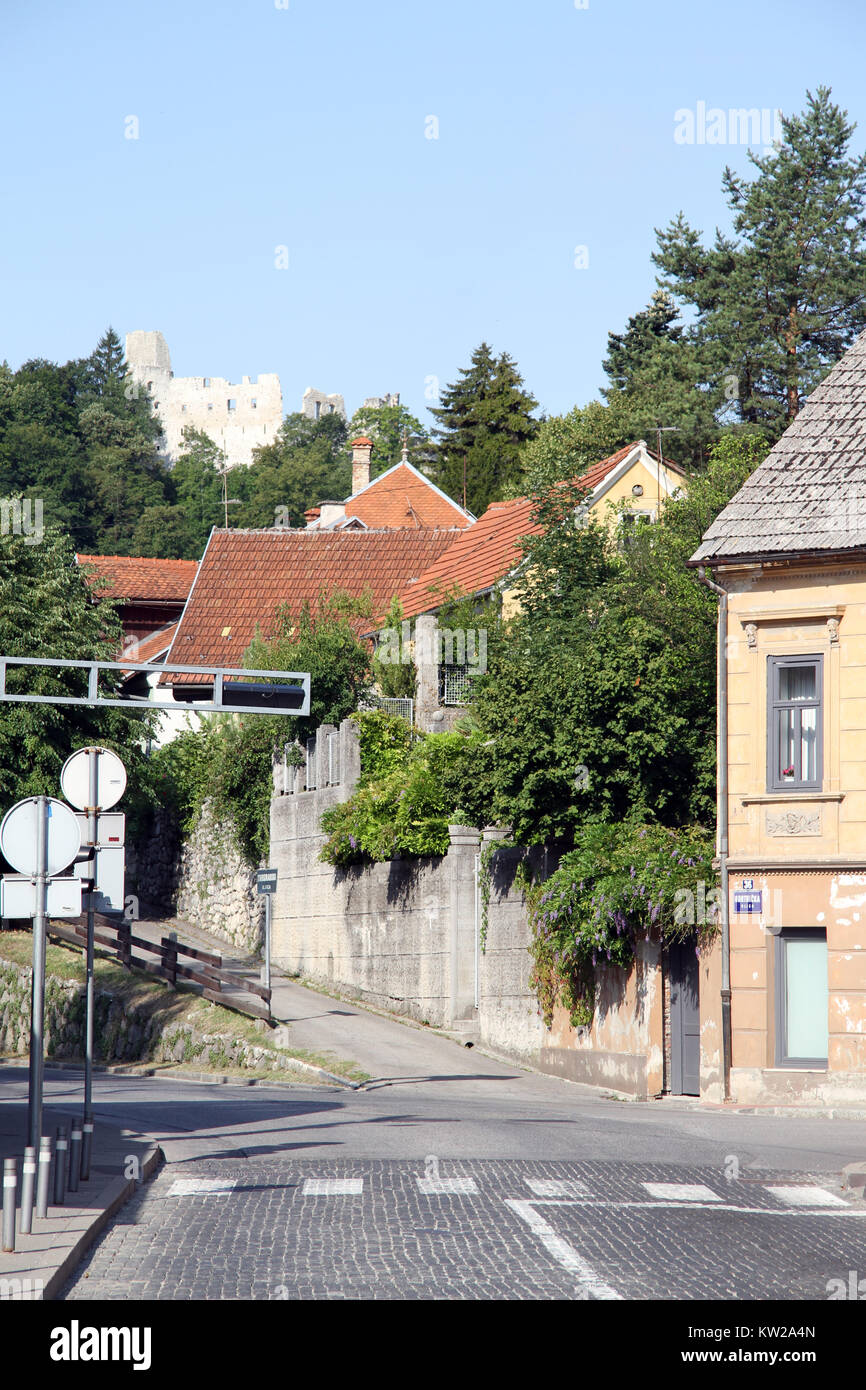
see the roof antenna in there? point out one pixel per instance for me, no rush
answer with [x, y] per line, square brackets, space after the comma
[660, 430]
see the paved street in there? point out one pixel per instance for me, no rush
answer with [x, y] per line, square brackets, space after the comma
[283, 1229]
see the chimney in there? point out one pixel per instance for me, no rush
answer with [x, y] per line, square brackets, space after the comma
[362, 448]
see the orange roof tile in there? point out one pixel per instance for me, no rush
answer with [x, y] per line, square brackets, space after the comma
[403, 497]
[150, 647]
[487, 551]
[245, 576]
[134, 578]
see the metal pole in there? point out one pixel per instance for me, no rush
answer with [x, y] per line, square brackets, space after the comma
[43, 1177]
[93, 838]
[37, 998]
[10, 1180]
[74, 1156]
[268, 942]
[28, 1181]
[60, 1166]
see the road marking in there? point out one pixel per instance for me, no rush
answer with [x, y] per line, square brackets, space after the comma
[333, 1187]
[438, 1187]
[564, 1254]
[715, 1205]
[681, 1191]
[807, 1197]
[558, 1187]
[202, 1187]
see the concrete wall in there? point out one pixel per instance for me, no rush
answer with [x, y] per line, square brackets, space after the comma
[203, 403]
[405, 935]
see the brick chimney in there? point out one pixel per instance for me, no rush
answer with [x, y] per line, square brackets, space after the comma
[362, 448]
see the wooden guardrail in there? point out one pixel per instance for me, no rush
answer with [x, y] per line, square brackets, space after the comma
[207, 971]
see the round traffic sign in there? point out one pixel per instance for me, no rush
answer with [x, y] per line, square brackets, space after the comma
[18, 832]
[110, 778]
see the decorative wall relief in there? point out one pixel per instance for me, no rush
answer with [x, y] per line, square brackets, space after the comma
[794, 823]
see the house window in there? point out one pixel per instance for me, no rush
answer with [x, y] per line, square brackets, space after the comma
[795, 723]
[210, 405]
[205, 381]
[231, 405]
[253, 402]
[802, 997]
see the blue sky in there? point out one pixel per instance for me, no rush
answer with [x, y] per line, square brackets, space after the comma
[305, 127]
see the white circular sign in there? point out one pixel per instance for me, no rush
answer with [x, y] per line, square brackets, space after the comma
[110, 779]
[18, 835]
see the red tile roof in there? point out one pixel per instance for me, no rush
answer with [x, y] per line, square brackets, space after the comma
[141, 580]
[245, 576]
[479, 556]
[403, 497]
[487, 551]
[151, 646]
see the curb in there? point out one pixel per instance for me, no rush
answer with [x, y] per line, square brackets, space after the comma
[121, 1189]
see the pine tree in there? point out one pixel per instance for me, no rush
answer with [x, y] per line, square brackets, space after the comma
[484, 420]
[779, 302]
[629, 352]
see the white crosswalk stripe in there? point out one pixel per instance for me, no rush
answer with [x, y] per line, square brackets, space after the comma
[333, 1187]
[805, 1196]
[440, 1187]
[681, 1192]
[557, 1187]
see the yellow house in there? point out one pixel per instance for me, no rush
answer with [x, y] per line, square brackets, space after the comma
[484, 557]
[783, 995]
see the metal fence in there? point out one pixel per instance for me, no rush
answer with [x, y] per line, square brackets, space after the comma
[402, 707]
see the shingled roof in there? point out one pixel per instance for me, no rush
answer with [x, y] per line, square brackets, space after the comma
[245, 576]
[809, 494]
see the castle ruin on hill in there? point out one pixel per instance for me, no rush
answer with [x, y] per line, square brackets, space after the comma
[236, 416]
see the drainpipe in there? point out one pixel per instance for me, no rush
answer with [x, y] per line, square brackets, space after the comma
[723, 824]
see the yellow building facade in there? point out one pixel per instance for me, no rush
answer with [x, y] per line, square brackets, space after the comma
[790, 556]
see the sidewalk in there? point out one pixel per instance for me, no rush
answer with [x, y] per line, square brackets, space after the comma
[44, 1260]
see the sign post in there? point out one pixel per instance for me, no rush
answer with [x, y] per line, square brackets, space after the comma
[38, 837]
[93, 779]
[266, 882]
[37, 997]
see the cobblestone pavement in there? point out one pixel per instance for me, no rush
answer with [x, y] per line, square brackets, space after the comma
[376, 1229]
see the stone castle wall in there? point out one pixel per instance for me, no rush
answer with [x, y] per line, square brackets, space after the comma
[238, 417]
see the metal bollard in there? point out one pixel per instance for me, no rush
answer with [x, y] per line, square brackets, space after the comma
[43, 1179]
[60, 1166]
[10, 1182]
[75, 1156]
[86, 1146]
[28, 1182]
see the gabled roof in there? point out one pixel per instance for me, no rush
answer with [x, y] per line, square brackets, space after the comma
[488, 551]
[133, 579]
[154, 647]
[402, 496]
[245, 576]
[809, 494]
[474, 562]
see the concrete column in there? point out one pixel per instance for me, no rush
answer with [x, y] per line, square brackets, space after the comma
[350, 758]
[462, 906]
[322, 775]
[427, 666]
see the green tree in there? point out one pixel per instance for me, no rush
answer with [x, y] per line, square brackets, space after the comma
[484, 420]
[305, 465]
[387, 426]
[46, 609]
[777, 303]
